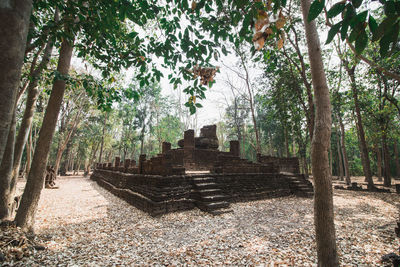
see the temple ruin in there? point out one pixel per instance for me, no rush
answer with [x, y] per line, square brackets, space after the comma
[197, 174]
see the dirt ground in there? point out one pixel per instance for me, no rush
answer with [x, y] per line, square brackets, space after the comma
[81, 224]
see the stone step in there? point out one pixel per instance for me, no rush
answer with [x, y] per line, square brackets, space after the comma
[206, 185]
[297, 181]
[213, 198]
[203, 179]
[209, 192]
[213, 205]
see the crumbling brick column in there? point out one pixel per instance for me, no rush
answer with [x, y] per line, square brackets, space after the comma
[234, 148]
[166, 146]
[117, 161]
[127, 164]
[142, 159]
[188, 149]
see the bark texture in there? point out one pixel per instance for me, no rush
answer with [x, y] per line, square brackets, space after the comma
[35, 180]
[323, 197]
[14, 24]
[6, 196]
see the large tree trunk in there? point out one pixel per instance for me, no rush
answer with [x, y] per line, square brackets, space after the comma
[330, 160]
[323, 197]
[6, 196]
[396, 158]
[363, 144]
[14, 24]
[344, 151]
[387, 179]
[35, 181]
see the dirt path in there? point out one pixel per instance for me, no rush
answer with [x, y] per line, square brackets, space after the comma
[82, 224]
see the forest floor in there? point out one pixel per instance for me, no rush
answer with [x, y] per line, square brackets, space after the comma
[82, 224]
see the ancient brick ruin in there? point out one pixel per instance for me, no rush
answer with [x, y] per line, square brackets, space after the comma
[197, 174]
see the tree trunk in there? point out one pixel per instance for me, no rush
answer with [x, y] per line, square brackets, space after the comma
[323, 197]
[379, 163]
[363, 144]
[28, 153]
[345, 159]
[396, 158]
[34, 184]
[71, 162]
[27, 118]
[14, 24]
[330, 160]
[340, 162]
[387, 179]
[6, 195]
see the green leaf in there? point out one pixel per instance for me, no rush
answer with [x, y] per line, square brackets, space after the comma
[349, 12]
[199, 105]
[343, 30]
[383, 27]
[384, 44]
[356, 32]
[132, 35]
[332, 32]
[361, 42]
[372, 24]
[336, 9]
[356, 3]
[192, 109]
[315, 9]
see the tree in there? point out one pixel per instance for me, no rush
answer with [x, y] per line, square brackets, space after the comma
[323, 198]
[14, 29]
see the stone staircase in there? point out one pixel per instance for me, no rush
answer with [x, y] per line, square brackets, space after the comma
[299, 186]
[208, 196]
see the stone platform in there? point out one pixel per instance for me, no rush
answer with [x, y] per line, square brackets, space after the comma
[198, 175]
